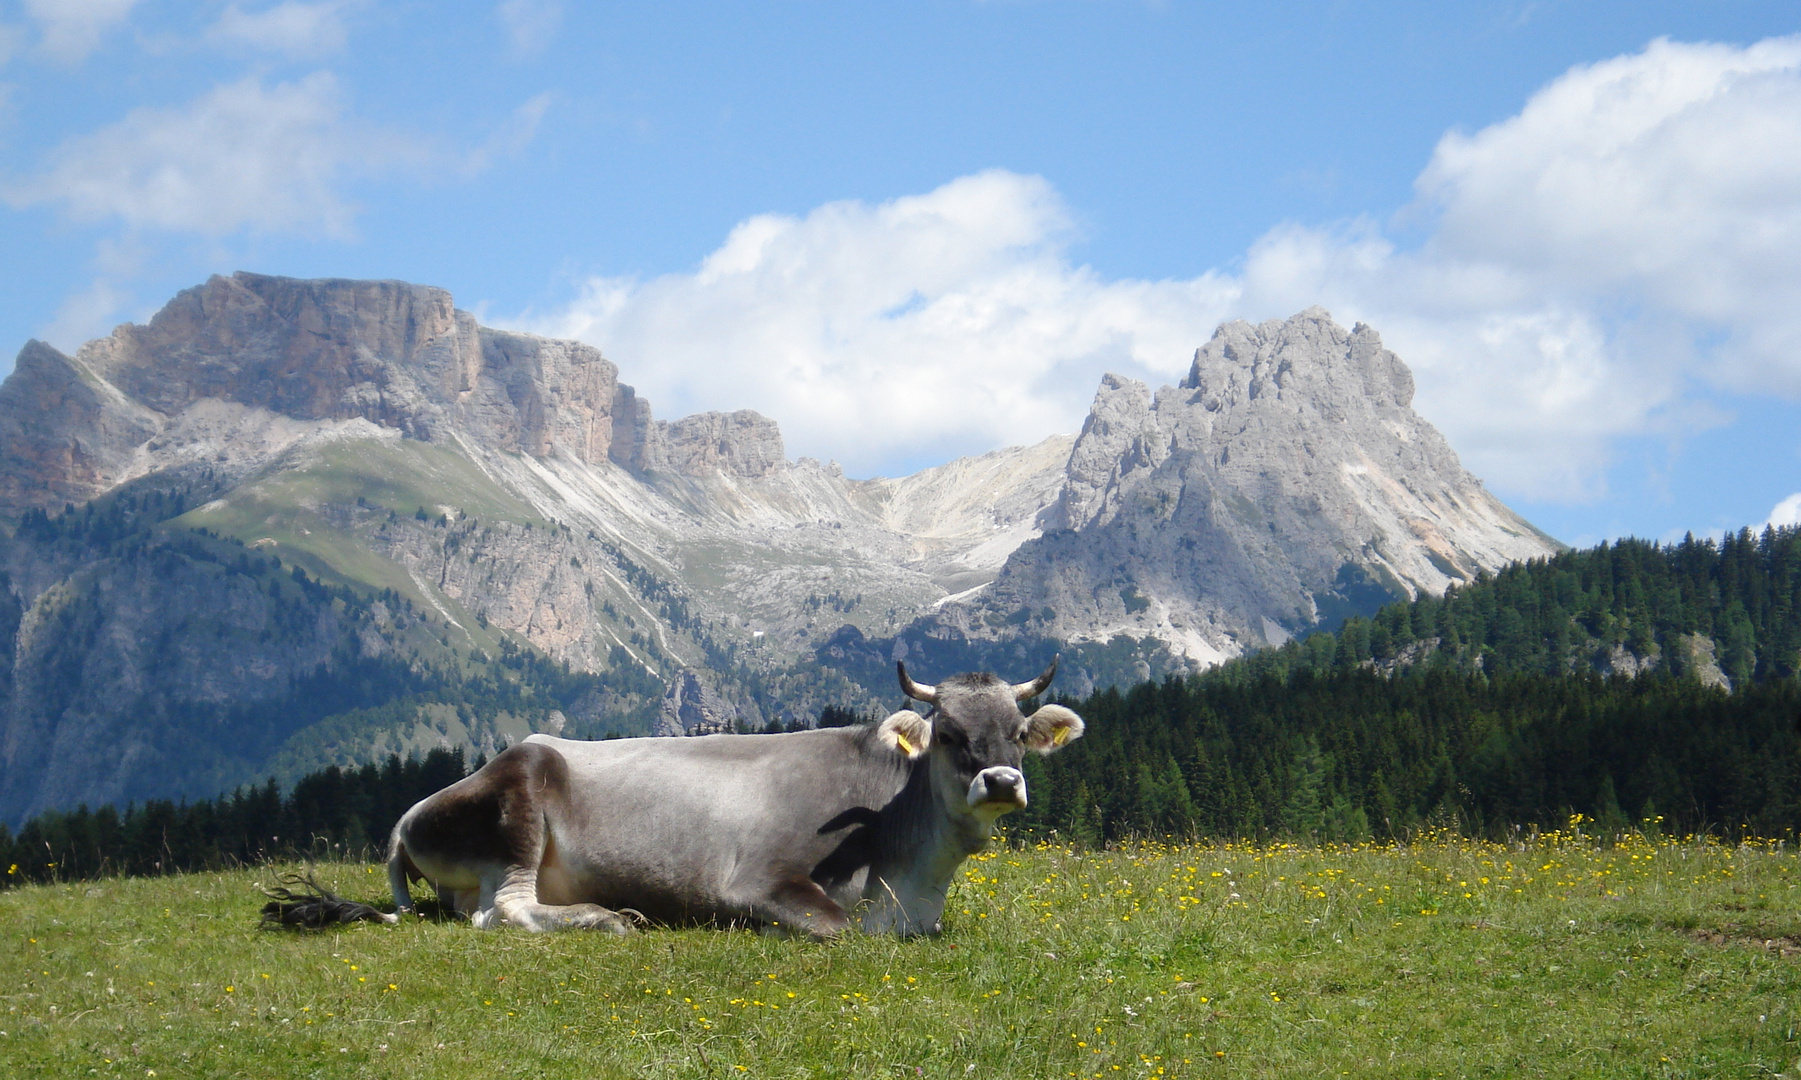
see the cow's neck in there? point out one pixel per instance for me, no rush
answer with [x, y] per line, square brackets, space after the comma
[925, 843]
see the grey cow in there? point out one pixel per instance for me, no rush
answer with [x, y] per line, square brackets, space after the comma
[804, 832]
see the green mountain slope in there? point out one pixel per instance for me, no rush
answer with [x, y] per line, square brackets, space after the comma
[153, 660]
[1727, 612]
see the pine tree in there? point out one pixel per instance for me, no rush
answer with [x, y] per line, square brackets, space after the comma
[1302, 814]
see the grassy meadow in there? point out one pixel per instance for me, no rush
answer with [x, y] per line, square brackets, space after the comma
[1554, 956]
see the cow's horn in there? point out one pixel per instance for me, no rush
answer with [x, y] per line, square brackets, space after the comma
[916, 691]
[1026, 690]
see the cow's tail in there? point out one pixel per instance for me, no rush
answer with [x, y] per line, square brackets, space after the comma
[399, 869]
[299, 900]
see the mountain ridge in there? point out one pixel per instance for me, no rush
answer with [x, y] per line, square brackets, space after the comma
[517, 495]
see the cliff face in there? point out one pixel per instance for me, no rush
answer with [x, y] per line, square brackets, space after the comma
[511, 493]
[65, 432]
[396, 355]
[1285, 482]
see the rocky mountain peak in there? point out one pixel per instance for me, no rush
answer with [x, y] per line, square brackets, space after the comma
[63, 431]
[1285, 483]
[312, 350]
[397, 355]
[1307, 357]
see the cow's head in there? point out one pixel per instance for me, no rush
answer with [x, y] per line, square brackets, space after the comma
[977, 736]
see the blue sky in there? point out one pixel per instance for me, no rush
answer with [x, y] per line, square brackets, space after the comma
[913, 231]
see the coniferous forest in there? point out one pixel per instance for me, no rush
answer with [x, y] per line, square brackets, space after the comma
[331, 813]
[1636, 684]
[1642, 686]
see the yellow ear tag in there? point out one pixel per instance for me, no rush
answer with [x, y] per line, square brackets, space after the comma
[1061, 737]
[906, 747]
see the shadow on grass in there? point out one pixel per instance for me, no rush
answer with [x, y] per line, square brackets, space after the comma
[1779, 935]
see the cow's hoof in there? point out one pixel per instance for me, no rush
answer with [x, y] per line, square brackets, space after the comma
[592, 917]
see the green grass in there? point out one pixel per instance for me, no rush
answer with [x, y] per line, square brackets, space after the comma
[1440, 958]
[404, 476]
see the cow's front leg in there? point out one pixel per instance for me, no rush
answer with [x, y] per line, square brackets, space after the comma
[458, 903]
[800, 906]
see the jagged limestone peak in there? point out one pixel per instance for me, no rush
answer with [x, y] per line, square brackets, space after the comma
[1308, 356]
[1285, 483]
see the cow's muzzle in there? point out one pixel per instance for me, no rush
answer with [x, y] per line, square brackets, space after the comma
[1001, 787]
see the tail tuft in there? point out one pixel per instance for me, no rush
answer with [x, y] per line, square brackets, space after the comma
[300, 901]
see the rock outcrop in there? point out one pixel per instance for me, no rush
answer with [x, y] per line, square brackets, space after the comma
[1285, 483]
[65, 432]
[398, 356]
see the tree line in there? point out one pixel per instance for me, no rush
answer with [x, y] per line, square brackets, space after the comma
[332, 813]
[1354, 754]
[1500, 706]
[1633, 603]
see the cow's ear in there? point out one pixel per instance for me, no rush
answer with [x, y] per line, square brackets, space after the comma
[1050, 727]
[906, 732]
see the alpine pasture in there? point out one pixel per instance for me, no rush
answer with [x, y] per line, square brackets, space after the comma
[1553, 955]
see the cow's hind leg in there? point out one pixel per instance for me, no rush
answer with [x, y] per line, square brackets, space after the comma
[510, 893]
[516, 902]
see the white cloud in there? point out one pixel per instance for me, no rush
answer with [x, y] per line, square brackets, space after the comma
[1630, 234]
[72, 28]
[108, 298]
[1634, 231]
[906, 332]
[292, 28]
[1786, 512]
[244, 160]
[1671, 177]
[530, 24]
[242, 157]
[86, 315]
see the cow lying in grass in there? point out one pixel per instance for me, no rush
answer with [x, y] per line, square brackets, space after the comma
[805, 832]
